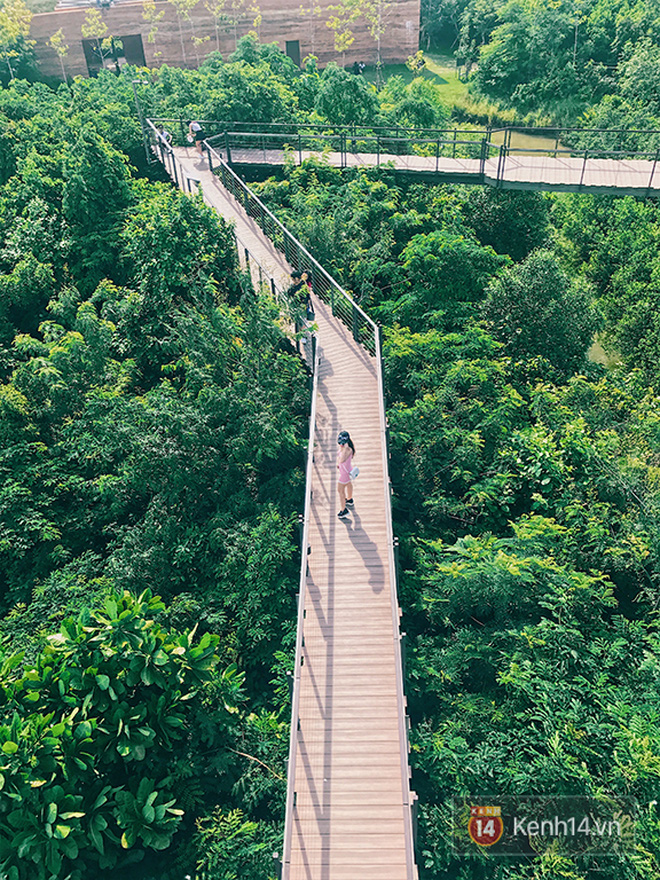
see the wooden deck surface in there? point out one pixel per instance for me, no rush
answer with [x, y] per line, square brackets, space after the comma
[519, 171]
[351, 819]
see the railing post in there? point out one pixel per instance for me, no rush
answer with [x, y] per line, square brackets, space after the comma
[655, 162]
[482, 161]
[437, 154]
[500, 166]
[356, 328]
[453, 152]
[395, 545]
[378, 151]
[227, 148]
[299, 149]
[208, 157]
[584, 167]
[414, 809]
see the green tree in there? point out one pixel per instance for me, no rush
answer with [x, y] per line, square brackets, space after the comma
[56, 42]
[15, 47]
[343, 16]
[535, 309]
[89, 729]
[345, 99]
[153, 17]
[95, 196]
[94, 28]
[513, 223]
[376, 14]
[447, 274]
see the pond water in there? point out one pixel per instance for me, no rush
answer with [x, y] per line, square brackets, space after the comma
[524, 141]
[598, 355]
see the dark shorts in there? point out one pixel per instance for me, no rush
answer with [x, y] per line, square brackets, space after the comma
[199, 135]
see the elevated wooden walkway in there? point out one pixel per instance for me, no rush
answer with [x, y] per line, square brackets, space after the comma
[514, 171]
[349, 815]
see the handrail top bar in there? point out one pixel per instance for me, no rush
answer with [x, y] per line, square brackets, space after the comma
[358, 137]
[298, 244]
[411, 132]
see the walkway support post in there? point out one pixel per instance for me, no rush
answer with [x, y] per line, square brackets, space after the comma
[482, 161]
[227, 149]
[584, 167]
[655, 162]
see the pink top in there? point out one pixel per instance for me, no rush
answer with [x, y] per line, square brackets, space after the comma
[345, 468]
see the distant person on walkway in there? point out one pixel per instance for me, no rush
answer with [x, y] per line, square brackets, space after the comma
[196, 132]
[165, 135]
[301, 293]
[344, 466]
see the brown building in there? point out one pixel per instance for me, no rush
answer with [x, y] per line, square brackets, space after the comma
[185, 43]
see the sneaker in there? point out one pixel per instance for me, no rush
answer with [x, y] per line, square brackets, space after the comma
[343, 513]
[349, 502]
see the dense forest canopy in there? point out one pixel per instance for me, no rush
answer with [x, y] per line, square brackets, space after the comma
[152, 422]
[572, 62]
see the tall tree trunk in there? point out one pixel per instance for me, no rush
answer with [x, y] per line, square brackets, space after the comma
[183, 48]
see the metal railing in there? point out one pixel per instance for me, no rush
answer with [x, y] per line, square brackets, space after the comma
[261, 276]
[302, 592]
[574, 174]
[343, 306]
[274, 144]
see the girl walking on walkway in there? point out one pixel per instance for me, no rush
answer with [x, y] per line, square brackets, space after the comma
[344, 465]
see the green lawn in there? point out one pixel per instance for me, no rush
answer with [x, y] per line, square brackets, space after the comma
[439, 67]
[37, 6]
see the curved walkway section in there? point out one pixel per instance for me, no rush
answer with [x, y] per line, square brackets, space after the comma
[349, 801]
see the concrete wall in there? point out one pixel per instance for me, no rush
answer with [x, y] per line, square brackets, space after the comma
[281, 21]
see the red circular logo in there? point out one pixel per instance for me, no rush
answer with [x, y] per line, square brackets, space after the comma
[485, 826]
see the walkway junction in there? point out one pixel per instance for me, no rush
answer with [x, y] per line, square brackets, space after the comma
[349, 808]
[506, 158]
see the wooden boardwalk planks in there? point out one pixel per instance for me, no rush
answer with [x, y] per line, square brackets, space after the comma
[351, 814]
[352, 818]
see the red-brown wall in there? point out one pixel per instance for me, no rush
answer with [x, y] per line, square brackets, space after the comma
[281, 21]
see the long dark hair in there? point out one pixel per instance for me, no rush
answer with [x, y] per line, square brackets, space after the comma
[345, 438]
